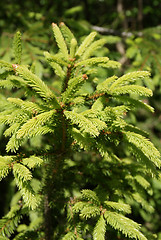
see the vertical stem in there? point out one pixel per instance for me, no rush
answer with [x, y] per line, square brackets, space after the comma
[65, 84]
[48, 219]
[63, 134]
[140, 14]
[54, 196]
[120, 45]
[53, 186]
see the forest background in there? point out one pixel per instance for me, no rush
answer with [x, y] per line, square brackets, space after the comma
[132, 30]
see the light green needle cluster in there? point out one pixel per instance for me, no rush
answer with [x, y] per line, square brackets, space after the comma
[60, 41]
[125, 225]
[87, 41]
[146, 147]
[89, 206]
[17, 47]
[29, 127]
[130, 78]
[100, 229]
[68, 35]
[26, 105]
[36, 83]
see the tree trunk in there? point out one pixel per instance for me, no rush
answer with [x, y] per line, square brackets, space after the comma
[120, 10]
[140, 14]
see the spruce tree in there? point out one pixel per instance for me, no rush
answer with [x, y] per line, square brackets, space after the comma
[93, 165]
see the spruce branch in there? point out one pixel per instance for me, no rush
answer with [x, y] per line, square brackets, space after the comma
[37, 84]
[73, 46]
[34, 123]
[110, 64]
[71, 88]
[55, 59]
[32, 161]
[93, 47]
[22, 172]
[128, 227]
[142, 91]
[60, 41]
[100, 229]
[85, 124]
[30, 107]
[68, 35]
[121, 207]
[9, 222]
[6, 65]
[17, 48]
[92, 61]
[130, 78]
[87, 41]
[146, 147]
[134, 103]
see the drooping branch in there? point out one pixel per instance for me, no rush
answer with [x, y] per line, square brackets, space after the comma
[109, 31]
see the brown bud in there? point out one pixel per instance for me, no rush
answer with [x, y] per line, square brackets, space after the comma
[54, 25]
[61, 24]
[85, 76]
